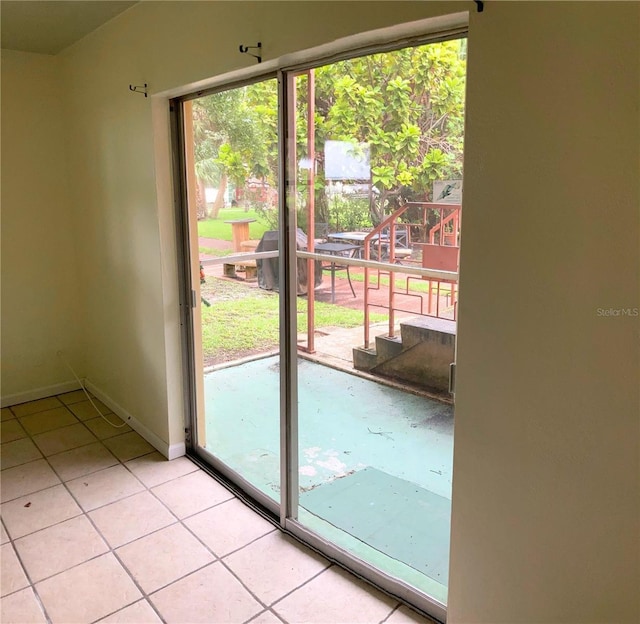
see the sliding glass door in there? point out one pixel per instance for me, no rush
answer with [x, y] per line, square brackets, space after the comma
[323, 226]
[231, 163]
[374, 417]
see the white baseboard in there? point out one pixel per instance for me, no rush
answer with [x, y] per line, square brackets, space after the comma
[170, 451]
[176, 450]
[39, 393]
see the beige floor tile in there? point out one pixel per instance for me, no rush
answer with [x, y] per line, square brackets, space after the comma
[22, 608]
[18, 452]
[84, 410]
[63, 439]
[163, 557]
[229, 526]
[139, 613]
[3, 534]
[11, 430]
[59, 547]
[404, 615]
[7, 414]
[266, 617]
[103, 430]
[12, 576]
[38, 511]
[48, 420]
[192, 600]
[88, 592]
[131, 518]
[154, 469]
[335, 596]
[23, 409]
[192, 493]
[82, 461]
[27, 478]
[128, 446]
[274, 565]
[68, 398]
[104, 487]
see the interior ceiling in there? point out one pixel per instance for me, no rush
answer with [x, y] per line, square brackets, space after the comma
[50, 26]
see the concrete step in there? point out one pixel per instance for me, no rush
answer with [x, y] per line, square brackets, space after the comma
[427, 329]
[425, 365]
[387, 348]
[364, 359]
[420, 356]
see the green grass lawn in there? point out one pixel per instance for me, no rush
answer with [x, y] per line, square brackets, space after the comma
[400, 283]
[215, 252]
[217, 228]
[243, 320]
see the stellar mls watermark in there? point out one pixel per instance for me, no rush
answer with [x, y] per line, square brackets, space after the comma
[615, 312]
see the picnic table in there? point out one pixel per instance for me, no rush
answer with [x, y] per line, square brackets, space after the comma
[239, 232]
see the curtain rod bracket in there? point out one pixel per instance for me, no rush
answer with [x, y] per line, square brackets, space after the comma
[258, 46]
[139, 89]
[480, 5]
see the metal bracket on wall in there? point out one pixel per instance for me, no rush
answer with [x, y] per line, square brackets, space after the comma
[139, 89]
[245, 50]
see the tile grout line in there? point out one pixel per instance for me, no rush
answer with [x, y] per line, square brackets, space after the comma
[57, 474]
[180, 521]
[113, 550]
[84, 513]
[110, 549]
[275, 602]
[218, 559]
[268, 610]
[221, 559]
[30, 586]
[390, 613]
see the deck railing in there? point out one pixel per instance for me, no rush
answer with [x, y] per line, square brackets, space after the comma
[438, 242]
[440, 254]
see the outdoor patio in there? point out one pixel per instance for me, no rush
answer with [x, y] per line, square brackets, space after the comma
[372, 458]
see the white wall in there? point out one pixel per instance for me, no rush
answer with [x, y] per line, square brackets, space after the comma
[545, 492]
[545, 505]
[123, 205]
[41, 306]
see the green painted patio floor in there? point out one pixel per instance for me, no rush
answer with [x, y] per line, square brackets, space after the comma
[373, 460]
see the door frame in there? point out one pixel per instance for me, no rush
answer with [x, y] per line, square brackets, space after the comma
[284, 514]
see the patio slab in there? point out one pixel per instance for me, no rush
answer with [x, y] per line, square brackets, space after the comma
[346, 423]
[350, 428]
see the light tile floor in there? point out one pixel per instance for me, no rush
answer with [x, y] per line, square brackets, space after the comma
[98, 527]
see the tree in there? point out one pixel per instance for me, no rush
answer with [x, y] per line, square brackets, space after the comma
[231, 137]
[408, 105]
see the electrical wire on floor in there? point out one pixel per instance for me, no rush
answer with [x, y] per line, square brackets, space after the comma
[61, 356]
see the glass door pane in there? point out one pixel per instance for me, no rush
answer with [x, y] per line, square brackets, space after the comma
[378, 203]
[231, 143]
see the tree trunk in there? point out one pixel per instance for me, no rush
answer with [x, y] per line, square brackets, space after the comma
[219, 201]
[201, 200]
[376, 208]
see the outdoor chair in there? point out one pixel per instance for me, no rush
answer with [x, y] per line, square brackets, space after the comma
[336, 266]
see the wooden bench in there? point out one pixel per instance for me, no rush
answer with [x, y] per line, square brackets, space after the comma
[402, 253]
[249, 245]
[248, 267]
